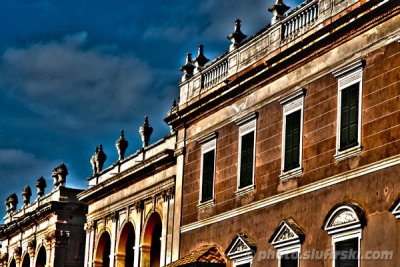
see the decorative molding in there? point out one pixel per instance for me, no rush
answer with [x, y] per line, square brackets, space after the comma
[206, 204]
[344, 217]
[292, 96]
[297, 172]
[396, 209]
[321, 184]
[246, 118]
[245, 190]
[208, 137]
[288, 233]
[349, 68]
[241, 247]
[348, 153]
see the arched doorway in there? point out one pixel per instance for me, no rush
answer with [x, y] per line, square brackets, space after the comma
[103, 251]
[13, 264]
[41, 258]
[126, 246]
[26, 261]
[151, 247]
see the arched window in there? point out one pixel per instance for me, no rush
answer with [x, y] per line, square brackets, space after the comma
[126, 246]
[151, 247]
[26, 261]
[344, 224]
[13, 264]
[102, 258]
[41, 257]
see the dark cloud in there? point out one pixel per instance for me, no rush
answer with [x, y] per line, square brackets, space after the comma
[72, 85]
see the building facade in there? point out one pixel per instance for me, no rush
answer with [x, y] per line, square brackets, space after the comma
[133, 219]
[292, 140]
[47, 232]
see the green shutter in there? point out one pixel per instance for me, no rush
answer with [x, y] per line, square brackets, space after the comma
[349, 117]
[290, 260]
[346, 253]
[208, 176]
[292, 140]
[247, 160]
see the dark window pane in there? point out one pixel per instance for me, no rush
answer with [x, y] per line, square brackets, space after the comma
[346, 253]
[208, 176]
[349, 117]
[292, 140]
[246, 160]
[290, 260]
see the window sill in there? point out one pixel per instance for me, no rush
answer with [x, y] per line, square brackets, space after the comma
[291, 174]
[348, 153]
[245, 190]
[206, 204]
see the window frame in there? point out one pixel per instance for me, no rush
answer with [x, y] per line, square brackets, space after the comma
[246, 126]
[209, 143]
[346, 77]
[357, 233]
[292, 104]
[288, 250]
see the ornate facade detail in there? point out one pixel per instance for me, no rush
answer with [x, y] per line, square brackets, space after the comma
[32, 247]
[40, 186]
[138, 205]
[188, 67]
[145, 132]
[278, 10]
[287, 233]
[395, 209]
[98, 159]
[344, 217]
[237, 36]
[4, 258]
[241, 246]
[26, 195]
[89, 226]
[121, 145]
[59, 175]
[168, 193]
[11, 203]
[17, 254]
[200, 60]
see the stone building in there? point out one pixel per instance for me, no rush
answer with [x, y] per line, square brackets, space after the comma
[132, 218]
[292, 141]
[47, 232]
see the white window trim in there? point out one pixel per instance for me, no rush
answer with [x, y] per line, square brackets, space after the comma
[291, 104]
[245, 128]
[210, 145]
[288, 250]
[346, 77]
[346, 236]
[244, 260]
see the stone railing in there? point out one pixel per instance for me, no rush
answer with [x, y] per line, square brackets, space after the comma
[215, 73]
[298, 23]
[301, 19]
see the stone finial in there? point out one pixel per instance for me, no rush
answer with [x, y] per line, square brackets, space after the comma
[188, 68]
[278, 9]
[11, 203]
[121, 145]
[200, 60]
[237, 36]
[40, 186]
[145, 132]
[100, 158]
[59, 175]
[26, 195]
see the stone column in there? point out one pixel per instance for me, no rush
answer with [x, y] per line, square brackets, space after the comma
[60, 248]
[114, 217]
[180, 160]
[138, 232]
[88, 229]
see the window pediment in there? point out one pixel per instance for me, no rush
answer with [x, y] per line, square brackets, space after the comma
[344, 217]
[395, 209]
[241, 246]
[287, 233]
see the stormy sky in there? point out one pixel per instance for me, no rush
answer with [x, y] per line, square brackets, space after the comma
[74, 73]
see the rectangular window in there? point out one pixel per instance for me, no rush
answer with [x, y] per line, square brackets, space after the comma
[208, 176]
[207, 171]
[246, 154]
[349, 117]
[292, 132]
[348, 133]
[289, 260]
[292, 140]
[346, 253]
[247, 264]
[246, 160]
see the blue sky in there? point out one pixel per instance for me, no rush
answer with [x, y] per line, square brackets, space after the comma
[74, 73]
